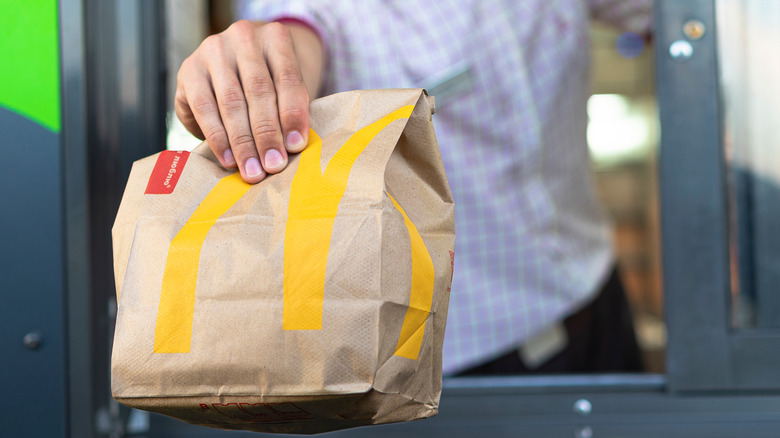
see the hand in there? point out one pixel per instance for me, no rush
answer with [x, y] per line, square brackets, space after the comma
[243, 91]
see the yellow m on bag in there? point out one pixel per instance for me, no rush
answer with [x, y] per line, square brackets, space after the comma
[423, 276]
[314, 203]
[313, 206]
[173, 332]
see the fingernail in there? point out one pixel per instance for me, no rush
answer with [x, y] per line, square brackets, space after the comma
[252, 168]
[273, 159]
[228, 158]
[295, 141]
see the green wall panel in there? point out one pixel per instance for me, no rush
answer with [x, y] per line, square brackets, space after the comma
[29, 60]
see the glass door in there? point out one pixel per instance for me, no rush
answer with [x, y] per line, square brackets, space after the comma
[720, 169]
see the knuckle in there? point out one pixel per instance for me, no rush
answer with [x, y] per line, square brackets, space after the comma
[240, 26]
[216, 136]
[242, 142]
[212, 44]
[289, 77]
[277, 30]
[184, 67]
[260, 86]
[188, 70]
[265, 129]
[292, 113]
[242, 30]
[205, 106]
[233, 99]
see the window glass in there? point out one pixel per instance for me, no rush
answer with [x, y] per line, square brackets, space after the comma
[623, 135]
[749, 63]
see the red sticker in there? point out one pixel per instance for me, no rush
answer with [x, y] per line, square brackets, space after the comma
[166, 172]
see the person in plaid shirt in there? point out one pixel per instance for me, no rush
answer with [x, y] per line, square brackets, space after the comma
[535, 287]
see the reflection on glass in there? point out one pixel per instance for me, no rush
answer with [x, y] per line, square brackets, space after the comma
[622, 140]
[620, 128]
[749, 58]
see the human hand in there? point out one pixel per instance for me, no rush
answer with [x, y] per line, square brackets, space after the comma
[244, 92]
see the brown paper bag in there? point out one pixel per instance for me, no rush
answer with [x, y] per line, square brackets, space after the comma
[314, 300]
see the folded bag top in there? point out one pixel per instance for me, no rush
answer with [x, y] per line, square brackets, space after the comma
[312, 301]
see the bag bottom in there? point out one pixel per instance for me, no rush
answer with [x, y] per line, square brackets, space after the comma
[293, 414]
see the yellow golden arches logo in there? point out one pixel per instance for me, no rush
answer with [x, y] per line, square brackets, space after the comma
[173, 332]
[423, 276]
[313, 206]
[314, 203]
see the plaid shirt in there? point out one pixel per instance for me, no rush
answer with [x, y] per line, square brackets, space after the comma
[510, 79]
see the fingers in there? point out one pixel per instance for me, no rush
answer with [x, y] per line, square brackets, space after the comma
[231, 100]
[243, 92]
[182, 107]
[263, 113]
[291, 92]
[197, 109]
